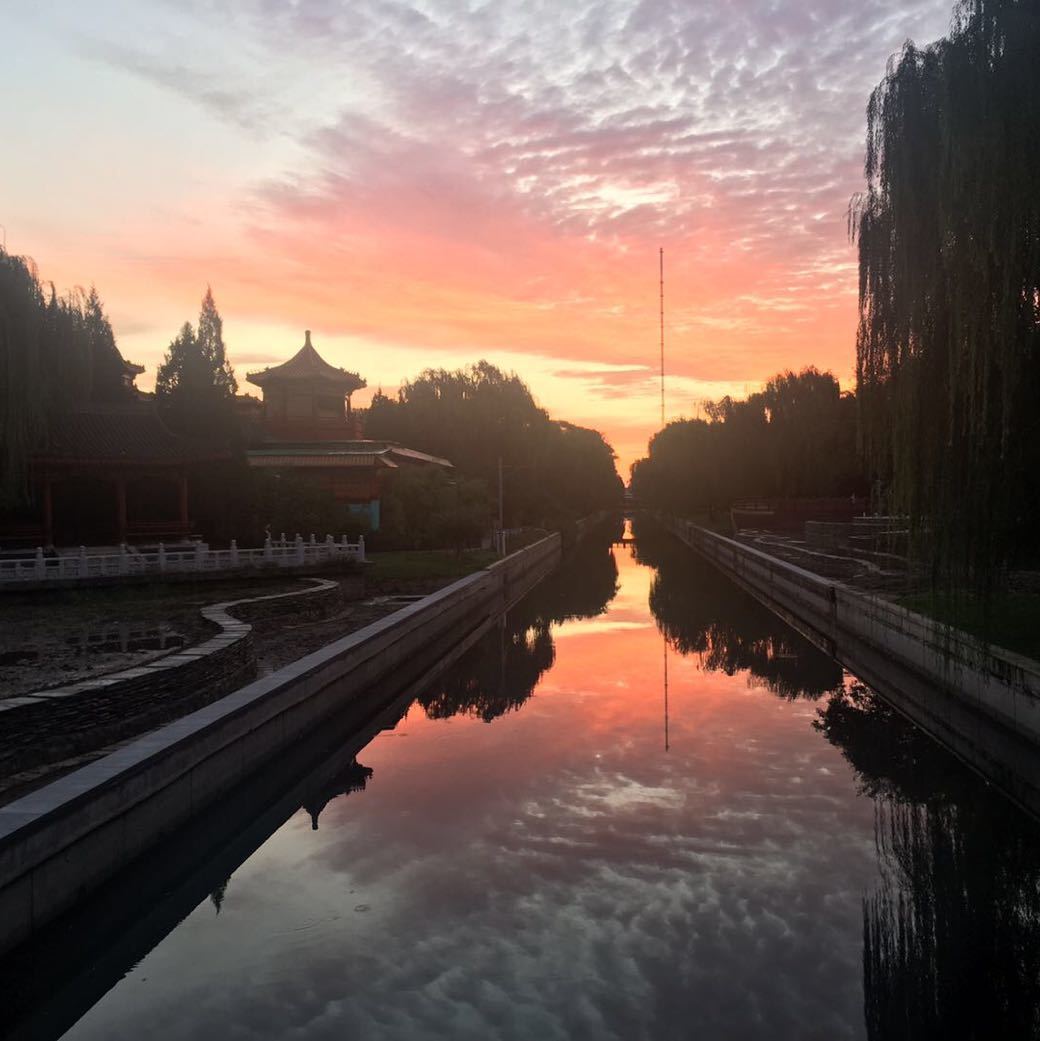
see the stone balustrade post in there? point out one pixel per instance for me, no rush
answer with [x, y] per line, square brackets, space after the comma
[234, 553]
[361, 547]
[299, 549]
[41, 564]
[268, 553]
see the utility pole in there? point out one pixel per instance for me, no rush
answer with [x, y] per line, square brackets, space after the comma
[660, 254]
[501, 511]
[666, 745]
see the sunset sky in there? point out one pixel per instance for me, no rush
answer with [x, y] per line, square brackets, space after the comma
[431, 183]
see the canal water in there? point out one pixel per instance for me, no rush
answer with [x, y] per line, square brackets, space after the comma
[642, 808]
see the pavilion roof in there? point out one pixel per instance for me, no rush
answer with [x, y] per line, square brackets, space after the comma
[341, 454]
[307, 365]
[129, 433]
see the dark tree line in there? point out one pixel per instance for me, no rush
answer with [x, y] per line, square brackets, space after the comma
[55, 351]
[553, 471]
[948, 349]
[796, 438]
[58, 352]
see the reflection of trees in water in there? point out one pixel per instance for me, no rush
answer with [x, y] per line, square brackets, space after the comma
[952, 934]
[501, 672]
[498, 675]
[702, 612]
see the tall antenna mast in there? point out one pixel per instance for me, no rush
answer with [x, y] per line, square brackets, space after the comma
[665, 640]
[660, 254]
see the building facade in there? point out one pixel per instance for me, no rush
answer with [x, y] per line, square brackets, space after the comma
[308, 429]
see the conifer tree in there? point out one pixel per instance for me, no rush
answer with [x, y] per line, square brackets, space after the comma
[107, 367]
[195, 383]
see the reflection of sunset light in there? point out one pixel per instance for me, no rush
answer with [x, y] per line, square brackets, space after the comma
[556, 857]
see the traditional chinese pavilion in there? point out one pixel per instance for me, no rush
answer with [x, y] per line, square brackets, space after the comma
[107, 472]
[307, 427]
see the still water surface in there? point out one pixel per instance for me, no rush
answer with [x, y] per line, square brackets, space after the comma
[542, 848]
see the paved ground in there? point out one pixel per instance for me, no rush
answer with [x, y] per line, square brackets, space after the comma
[862, 574]
[49, 639]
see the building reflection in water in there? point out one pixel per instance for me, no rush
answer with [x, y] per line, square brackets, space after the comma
[951, 936]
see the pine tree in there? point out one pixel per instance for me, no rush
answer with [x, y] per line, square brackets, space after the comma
[107, 367]
[195, 383]
[210, 337]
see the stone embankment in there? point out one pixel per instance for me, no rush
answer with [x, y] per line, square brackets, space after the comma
[50, 725]
[63, 840]
[981, 701]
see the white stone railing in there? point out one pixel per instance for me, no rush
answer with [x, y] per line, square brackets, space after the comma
[84, 566]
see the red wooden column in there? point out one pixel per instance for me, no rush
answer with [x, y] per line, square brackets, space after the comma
[182, 499]
[121, 507]
[48, 513]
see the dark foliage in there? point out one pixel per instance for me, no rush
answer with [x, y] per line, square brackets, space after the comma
[796, 438]
[195, 385]
[501, 672]
[701, 612]
[552, 471]
[959, 890]
[948, 350]
[55, 352]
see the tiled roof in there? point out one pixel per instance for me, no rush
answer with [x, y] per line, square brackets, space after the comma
[304, 460]
[117, 433]
[307, 365]
[340, 453]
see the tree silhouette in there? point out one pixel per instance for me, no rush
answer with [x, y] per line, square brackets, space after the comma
[195, 384]
[795, 438]
[501, 672]
[56, 352]
[552, 471]
[949, 935]
[948, 349]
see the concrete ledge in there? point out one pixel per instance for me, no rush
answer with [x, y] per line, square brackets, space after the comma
[63, 840]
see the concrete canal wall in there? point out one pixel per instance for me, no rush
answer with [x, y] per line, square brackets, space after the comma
[981, 701]
[62, 841]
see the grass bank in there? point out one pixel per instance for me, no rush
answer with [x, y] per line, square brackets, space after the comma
[1011, 621]
[419, 565]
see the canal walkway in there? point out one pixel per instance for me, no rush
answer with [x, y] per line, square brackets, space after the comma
[642, 808]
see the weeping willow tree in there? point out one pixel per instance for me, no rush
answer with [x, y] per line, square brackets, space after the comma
[54, 351]
[948, 348]
[22, 374]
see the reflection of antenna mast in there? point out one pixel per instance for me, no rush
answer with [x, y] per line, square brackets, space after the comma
[660, 253]
[665, 638]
